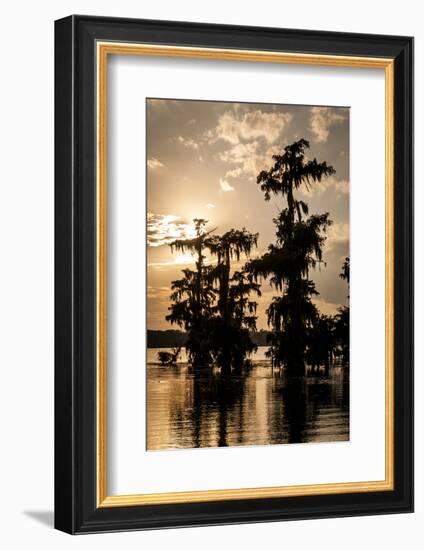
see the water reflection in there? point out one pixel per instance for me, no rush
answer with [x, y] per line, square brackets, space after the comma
[207, 409]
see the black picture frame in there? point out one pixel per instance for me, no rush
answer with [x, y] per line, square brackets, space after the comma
[76, 508]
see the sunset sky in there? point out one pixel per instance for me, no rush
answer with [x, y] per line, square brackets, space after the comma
[202, 161]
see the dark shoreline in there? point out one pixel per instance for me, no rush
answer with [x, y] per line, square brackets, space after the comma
[177, 338]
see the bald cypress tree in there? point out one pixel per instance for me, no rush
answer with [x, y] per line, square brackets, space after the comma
[212, 303]
[193, 296]
[298, 249]
[342, 319]
[235, 311]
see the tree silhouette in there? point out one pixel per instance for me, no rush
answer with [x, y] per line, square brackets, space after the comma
[342, 319]
[211, 303]
[234, 310]
[298, 248]
[230, 246]
[169, 358]
[191, 310]
[196, 245]
[321, 343]
[345, 272]
[193, 296]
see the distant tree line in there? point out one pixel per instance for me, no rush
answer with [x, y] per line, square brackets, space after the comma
[178, 338]
[215, 303]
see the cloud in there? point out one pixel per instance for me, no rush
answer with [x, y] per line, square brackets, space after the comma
[188, 142]
[250, 159]
[337, 237]
[250, 134]
[158, 292]
[234, 173]
[341, 187]
[153, 163]
[239, 152]
[163, 229]
[321, 120]
[225, 186]
[181, 259]
[338, 187]
[210, 205]
[235, 127]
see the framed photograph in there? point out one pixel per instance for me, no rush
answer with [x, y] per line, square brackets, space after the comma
[233, 274]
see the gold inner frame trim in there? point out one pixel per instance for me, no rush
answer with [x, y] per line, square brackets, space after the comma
[104, 49]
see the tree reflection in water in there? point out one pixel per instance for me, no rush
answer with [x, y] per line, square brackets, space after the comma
[258, 407]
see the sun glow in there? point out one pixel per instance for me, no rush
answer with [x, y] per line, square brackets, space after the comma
[183, 259]
[164, 229]
[190, 231]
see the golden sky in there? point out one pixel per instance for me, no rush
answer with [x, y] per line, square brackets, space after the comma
[202, 161]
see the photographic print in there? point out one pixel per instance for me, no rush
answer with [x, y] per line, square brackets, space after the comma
[247, 274]
[205, 223]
